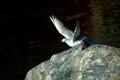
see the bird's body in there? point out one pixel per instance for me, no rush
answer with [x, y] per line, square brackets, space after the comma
[73, 43]
[70, 37]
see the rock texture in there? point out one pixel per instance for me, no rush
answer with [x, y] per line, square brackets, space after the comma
[97, 62]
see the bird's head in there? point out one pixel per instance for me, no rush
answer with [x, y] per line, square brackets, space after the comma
[64, 40]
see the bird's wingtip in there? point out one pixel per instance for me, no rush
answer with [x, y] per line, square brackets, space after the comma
[52, 16]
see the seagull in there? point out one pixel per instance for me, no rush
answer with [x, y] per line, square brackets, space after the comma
[71, 38]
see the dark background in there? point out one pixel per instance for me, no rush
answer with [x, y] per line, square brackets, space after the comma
[27, 36]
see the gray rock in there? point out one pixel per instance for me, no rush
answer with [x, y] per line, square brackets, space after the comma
[97, 62]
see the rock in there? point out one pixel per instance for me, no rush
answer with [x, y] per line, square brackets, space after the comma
[97, 62]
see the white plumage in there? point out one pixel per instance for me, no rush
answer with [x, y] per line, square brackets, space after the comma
[70, 37]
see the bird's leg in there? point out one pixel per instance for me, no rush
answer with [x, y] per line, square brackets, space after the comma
[83, 45]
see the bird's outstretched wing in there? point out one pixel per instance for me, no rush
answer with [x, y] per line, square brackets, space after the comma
[76, 31]
[61, 28]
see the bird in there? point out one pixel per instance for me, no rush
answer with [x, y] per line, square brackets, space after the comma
[70, 37]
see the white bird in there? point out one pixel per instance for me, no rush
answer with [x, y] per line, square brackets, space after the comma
[70, 37]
